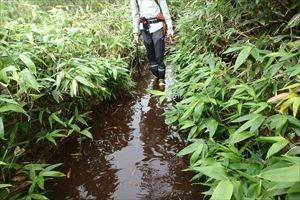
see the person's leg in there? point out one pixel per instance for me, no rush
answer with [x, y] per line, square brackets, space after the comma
[150, 53]
[159, 46]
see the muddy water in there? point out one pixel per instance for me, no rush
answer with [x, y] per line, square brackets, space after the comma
[132, 156]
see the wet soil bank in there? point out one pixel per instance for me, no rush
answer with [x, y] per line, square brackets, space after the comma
[132, 156]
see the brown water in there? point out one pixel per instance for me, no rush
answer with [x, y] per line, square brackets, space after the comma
[132, 156]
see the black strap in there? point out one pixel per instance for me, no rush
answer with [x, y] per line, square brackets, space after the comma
[138, 6]
[156, 1]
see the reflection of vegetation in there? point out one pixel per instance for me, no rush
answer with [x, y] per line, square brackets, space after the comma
[238, 79]
[52, 64]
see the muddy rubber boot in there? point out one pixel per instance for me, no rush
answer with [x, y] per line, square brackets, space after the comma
[161, 71]
[154, 69]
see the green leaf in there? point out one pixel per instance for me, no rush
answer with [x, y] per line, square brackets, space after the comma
[115, 73]
[296, 105]
[38, 197]
[285, 174]
[254, 123]
[276, 147]
[295, 188]
[57, 119]
[51, 174]
[5, 186]
[244, 54]
[269, 139]
[189, 149]
[278, 121]
[196, 154]
[157, 93]
[238, 137]
[40, 182]
[223, 191]
[187, 124]
[86, 133]
[12, 108]
[83, 81]
[188, 112]
[295, 21]
[212, 126]
[29, 78]
[215, 171]
[28, 62]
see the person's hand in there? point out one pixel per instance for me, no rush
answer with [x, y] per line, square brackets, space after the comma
[170, 35]
[136, 38]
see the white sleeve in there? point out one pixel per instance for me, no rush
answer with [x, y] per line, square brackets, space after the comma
[135, 16]
[165, 10]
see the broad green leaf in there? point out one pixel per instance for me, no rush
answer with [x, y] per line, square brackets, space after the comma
[270, 139]
[295, 85]
[51, 174]
[244, 54]
[29, 78]
[87, 133]
[232, 49]
[40, 182]
[38, 197]
[83, 81]
[215, 171]
[188, 112]
[238, 137]
[198, 111]
[2, 163]
[296, 105]
[189, 149]
[276, 147]
[277, 121]
[12, 108]
[196, 154]
[254, 123]
[257, 122]
[28, 62]
[295, 21]
[3, 75]
[212, 126]
[223, 191]
[157, 93]
[115, 73]
[186, 124]
[285, 174]
[295, 188]
[244, 118]
[5, 186]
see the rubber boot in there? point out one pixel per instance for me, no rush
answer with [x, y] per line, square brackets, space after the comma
[154, 69]
[161, 71]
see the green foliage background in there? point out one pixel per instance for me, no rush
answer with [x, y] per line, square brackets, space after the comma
[57, 58]
[237, 72]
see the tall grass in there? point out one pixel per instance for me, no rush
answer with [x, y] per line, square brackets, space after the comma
[238, 78]
[54, 62]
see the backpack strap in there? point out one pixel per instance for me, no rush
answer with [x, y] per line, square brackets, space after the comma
[138, 6]
[157, 2]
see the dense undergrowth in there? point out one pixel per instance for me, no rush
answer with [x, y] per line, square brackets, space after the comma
[237, 72]
[55, 61]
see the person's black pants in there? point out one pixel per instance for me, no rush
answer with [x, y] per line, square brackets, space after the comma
[155, 46]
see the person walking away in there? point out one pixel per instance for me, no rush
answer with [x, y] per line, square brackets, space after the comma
[147, 19]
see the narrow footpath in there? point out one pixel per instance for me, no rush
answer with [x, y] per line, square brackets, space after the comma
[132, 156]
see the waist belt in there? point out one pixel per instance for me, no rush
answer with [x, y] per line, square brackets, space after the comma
[152, 20]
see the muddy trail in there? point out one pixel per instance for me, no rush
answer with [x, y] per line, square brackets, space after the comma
[132, 156]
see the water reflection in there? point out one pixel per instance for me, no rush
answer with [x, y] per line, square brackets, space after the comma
[132, 156]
